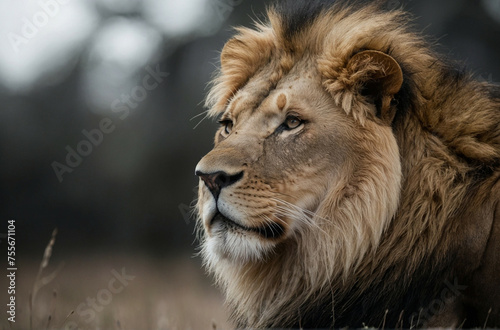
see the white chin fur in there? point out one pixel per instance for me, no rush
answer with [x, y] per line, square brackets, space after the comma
[235, 246]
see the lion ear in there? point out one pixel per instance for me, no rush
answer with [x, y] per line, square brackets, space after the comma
[379, 77]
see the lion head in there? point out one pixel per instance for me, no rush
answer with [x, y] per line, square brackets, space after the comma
[286, 156]
[323, 140]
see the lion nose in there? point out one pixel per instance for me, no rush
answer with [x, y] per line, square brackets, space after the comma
[218, 180]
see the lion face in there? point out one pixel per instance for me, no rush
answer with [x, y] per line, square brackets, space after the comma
[278, 154]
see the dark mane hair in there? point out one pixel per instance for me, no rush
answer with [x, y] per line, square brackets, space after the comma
[297, 15]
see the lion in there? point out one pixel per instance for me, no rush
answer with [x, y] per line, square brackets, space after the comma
[354, 179]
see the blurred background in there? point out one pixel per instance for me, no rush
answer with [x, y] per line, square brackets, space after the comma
[101, 108]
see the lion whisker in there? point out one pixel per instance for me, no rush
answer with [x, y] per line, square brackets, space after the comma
[305, 217]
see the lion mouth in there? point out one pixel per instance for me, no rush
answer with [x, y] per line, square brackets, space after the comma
[271, 230]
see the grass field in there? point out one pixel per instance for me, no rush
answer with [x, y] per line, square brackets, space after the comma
[112, 291]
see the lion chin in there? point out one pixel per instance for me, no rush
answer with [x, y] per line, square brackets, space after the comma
[236, 242]
[354, 179]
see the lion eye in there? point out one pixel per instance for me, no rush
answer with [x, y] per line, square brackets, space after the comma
[228, 126]
[292, 122]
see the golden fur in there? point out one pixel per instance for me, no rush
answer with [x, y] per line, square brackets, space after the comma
[384, 194]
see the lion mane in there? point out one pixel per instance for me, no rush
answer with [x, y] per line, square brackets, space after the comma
[412, 238]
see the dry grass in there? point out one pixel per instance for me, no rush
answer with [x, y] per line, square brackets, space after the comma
[165, 294]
